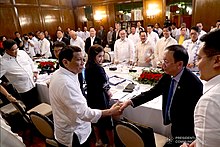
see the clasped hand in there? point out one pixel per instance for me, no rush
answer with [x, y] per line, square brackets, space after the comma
[118, 107]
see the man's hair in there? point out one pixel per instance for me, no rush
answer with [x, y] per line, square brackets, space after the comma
[212, 45]
[67, 53]
[179, 53]
[143, 32]
[195, 28]
[31, 33]
[7, 44]
[16, 32]
[168, 27]
[59, 44]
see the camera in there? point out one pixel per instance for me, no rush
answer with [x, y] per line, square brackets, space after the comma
[26, 38]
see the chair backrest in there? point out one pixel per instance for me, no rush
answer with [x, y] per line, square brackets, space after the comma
[21, 109]
[132, 135]
[43, 124]
[107, 57]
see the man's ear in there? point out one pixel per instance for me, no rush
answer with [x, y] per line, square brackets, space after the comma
[216, 61]
[65, 62]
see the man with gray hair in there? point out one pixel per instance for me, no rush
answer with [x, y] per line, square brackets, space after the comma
[76, 41]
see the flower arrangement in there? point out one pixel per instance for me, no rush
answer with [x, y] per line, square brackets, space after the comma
[150, 76]
[46, 66]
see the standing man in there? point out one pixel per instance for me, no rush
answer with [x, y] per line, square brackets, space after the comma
[76, 41]
[182, 37]
[162, 44]
[44, 46]
[139, 28]
[124, 49]
[18, 68]
[109, 38]
[144, 51]
[19, 40]
[115, 34]
[60, 37]
[102, 35]
[152, 36]
[206, 115]
[180, 90]
[134, 37]
[90, 41]
[72, 116]
[192, 46]
[201, 31]
[85, 34]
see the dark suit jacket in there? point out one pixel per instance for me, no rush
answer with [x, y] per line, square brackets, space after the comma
[88, 43]
[114, 37]
[188, 92]
[17, 40]
[66, 40]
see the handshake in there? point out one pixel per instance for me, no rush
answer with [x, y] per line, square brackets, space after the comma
[118, 107]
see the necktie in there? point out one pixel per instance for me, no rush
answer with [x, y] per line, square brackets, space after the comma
[170, 94]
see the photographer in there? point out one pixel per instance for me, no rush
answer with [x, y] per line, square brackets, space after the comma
[28, 46]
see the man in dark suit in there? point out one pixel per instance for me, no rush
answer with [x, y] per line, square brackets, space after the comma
[115, 34]
[60, 37]
[180, 90]
[19, 40]
[92, 39]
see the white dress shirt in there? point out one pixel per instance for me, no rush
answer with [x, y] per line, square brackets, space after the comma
[18, 70]
[124, 50]
[44, 46]
[143, 51]
[192, 48]
[79, 33]
[70, 111]
[135, 38]
[206, 115]
[29, 49]
[8, 138]
[85, 35]
[78, 42]
[201, 34]
[36, 45]
[153, 37]
[161, 46]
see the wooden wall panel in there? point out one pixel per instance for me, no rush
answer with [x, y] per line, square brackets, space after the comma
[49, 2]
[51, 19]
[26, 2]
[29, 19]
[9, 23]
[79, 14]
[67, 19]
[66, 3]
[207, 12]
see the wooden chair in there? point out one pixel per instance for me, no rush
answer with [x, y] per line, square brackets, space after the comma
[45, 126]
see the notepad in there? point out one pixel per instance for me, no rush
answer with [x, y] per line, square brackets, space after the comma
[115, 80]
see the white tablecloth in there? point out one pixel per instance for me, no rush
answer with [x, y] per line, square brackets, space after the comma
[147, 114]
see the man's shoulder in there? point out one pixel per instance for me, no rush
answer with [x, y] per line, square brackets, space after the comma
[190, 77]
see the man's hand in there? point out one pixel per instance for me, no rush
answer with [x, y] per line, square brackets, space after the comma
[124, 105]
[115, 109]
[35, 75]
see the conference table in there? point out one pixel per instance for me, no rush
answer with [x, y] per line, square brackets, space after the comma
[148, 114]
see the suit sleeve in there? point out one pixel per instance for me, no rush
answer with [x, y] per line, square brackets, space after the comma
[154, 92]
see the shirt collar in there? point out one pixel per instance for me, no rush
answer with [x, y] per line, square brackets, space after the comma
[178, 76]
[67, 72]
[211, 83]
